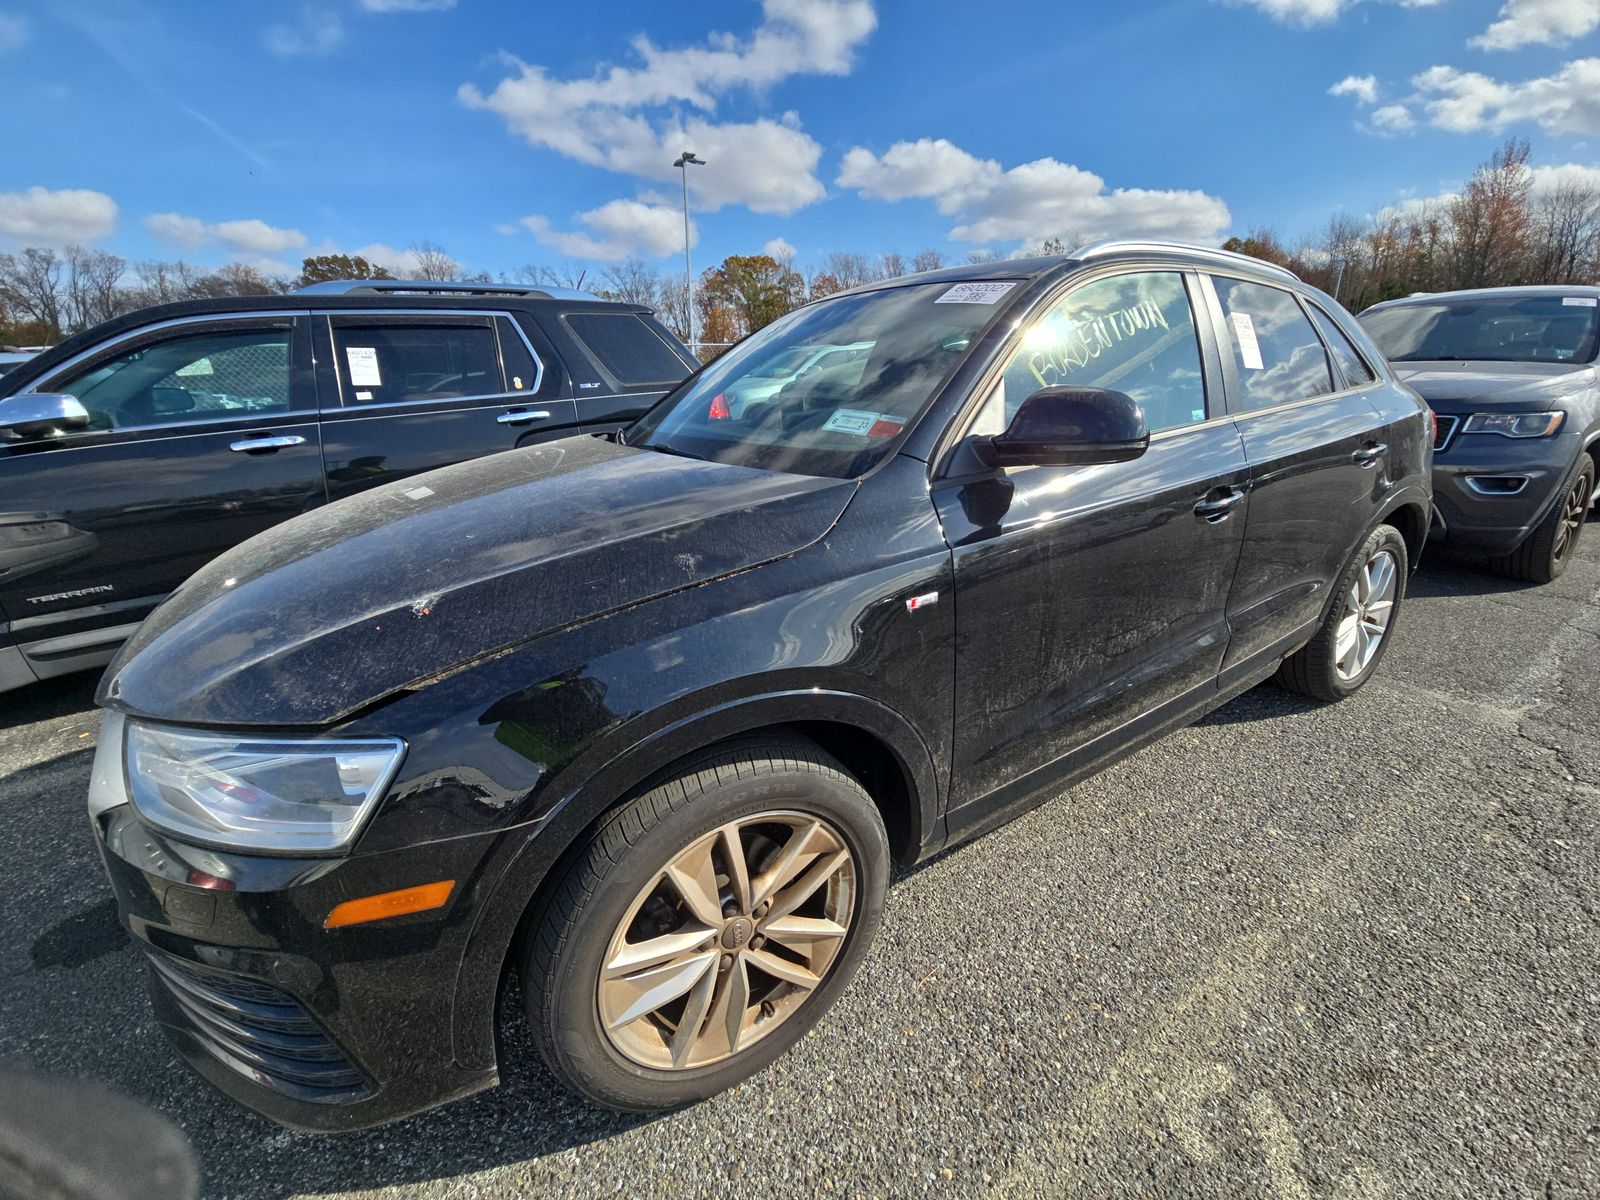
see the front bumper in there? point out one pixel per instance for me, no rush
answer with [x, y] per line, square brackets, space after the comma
[318, 1029]
[1491, 492]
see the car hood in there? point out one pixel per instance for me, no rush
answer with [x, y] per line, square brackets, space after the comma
[1494, 385]
[334, 610]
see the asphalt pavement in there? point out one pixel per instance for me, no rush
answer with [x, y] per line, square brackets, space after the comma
[1291, 952]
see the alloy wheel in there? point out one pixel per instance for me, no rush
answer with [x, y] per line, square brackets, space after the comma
[1573, 513]
[727, 941]
[1368, 609]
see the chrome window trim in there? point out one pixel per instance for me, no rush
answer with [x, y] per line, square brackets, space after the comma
[496, 400]
[170, 323]
[538, 363]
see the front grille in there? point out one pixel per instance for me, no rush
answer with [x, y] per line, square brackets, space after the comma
[260, 1031]
[1446, 431]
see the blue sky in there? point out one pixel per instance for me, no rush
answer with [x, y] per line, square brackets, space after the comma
[518, 132]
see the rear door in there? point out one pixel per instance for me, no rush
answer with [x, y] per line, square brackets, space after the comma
[407, 392]
[1318, 465]
[203, 432]
[625, 362]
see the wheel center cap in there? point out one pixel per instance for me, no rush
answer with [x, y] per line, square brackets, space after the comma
[736, 933]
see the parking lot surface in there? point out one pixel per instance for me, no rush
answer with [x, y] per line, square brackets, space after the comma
[1289, 952]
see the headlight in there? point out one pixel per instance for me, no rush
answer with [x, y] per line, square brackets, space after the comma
[258, 794]
[1515, 425]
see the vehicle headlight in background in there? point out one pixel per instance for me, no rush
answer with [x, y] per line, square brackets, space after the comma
[1514, 425]
[258, 794]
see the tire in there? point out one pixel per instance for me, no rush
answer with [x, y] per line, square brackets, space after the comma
[1545, 553]
[616, 899]
[1322, 669]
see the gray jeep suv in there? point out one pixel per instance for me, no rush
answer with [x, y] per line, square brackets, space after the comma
[1510, 375]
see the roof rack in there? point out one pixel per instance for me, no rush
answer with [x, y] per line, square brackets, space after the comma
[1221, 257]
[426, 287]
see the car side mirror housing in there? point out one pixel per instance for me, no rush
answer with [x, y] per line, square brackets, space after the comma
[1070, 426]
[40, 415]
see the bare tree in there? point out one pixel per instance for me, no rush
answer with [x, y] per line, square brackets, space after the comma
[93, 291]
[978, 257]
[30, 287]
[928, 260]
[849, 270]
[432, 263]
[1566, 233]
[672, 305]
[891, 265]
[633, 281]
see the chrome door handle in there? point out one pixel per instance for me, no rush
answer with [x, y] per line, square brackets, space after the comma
[519, 417]
[1217, 509]
[1369, 455]
[255, 444]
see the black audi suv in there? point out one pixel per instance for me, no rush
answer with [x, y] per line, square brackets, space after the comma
[647, 719]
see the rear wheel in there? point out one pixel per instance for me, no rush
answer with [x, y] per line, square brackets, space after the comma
[1545, 553]
[707, 925]
[1345, 650]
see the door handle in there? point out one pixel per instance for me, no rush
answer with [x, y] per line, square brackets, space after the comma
[260, 445]
[1369, 454]
[1219, 504]
[519, 416]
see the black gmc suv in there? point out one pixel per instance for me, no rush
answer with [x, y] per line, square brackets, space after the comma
[647, 720]
[134, 453]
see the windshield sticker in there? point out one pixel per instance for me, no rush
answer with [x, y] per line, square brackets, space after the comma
[886, 427]
[850, 420]
[200, 366]
[364, 366]
[1244, 330]
[1079, 342]
[1573, 301]
[975, 293]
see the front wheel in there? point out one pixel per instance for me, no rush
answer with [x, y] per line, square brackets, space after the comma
[706, 925]
[1345, 650]
[1545, 553]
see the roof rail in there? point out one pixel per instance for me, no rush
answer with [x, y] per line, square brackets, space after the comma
[427, 287]
[1221, 257]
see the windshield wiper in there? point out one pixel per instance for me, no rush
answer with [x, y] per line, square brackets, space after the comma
[665, 449]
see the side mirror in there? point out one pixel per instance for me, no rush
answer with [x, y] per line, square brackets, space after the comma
[40, 415]
[1068, 426]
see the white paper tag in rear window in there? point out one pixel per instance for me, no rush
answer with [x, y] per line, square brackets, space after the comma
[975, 293]
[1575, 301]
[363, 366]
[1244, 330]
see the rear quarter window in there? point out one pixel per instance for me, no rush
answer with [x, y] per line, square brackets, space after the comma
[629, 350]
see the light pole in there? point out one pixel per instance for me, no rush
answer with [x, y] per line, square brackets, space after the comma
[684, 162]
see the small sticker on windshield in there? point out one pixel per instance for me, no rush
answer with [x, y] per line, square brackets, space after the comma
[850, 420]
[975, 293]
[1580, 301]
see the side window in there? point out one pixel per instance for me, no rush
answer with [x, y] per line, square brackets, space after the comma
[627, 348]
[197, 376]
[394, 360]
[522, 373]
[1355, 369]
[1276, 354]
[1130, 333]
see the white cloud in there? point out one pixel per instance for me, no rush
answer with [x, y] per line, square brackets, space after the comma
[40, 216]
[1305, 13]
[249, 236]
[381, 254]
[1393, 119]
[618, 229]
[13, 32]
[316, 32]
[780, 248]
[1036, 200]
[606, 120]
[394, 6]
[1467, 102]
[1363, 87]
[1539, 23]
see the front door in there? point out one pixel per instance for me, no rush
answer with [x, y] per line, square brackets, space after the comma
[1090, 596]
[407, 393]
[202, 434]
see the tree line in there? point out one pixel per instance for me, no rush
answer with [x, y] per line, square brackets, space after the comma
[1508, 225]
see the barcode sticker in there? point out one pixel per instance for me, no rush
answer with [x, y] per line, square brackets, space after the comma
[975, 293]
[1580, 301]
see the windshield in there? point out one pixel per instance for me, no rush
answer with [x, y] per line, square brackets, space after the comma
[1550, 329]
[786, 363]
[834, 420]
